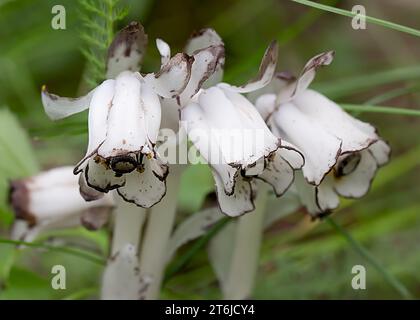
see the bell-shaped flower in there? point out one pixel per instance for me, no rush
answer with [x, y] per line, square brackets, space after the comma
[124, 121]
[51, 200]
[233, 138]
[342, 153]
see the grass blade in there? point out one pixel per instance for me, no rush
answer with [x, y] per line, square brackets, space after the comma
[72, 251]
[380, 22]
[389, 278]
[380, 109]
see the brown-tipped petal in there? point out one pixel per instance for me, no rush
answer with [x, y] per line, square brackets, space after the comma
[278, 173]
[146, 186]
[127, 50]
[57, 107]
[240, 201]
[207, 62]
[203, 39]
[173, 77]
[164, 50]
[101, 177]
[309, 71]
[96, 217]
[265, 72]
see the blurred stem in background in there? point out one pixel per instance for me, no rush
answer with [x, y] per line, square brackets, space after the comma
[159, 227]
[246, 251]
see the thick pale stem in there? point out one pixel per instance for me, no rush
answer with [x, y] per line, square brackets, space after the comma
[246, 252]
[159, 227]
[128, 224]
[120, 279]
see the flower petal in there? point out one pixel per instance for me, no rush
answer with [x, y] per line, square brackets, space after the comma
[164, 50]
[265, 73]
[309, 71]
[101, 177]
[202, 39]
[151, 109]
[126, 50]
[206, 63]
[266, 104]
[98, 119]
[240, 201]
[206, 38]
[278, 173]
[381, 151]
[236, 126]
[333, 119]
[52, 195]
[194, 122]
[292, 155]
[307, 194]
[357, 183]
[173, 77]
[320, 148]
[326, 197]
[88, 193]
[125, 124]
[60, 107]
[146, 188]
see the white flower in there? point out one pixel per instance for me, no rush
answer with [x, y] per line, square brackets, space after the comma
[212, 116]
[342, 153]
[51, 200]
[124, 122]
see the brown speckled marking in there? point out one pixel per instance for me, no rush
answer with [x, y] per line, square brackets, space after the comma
[132, 36]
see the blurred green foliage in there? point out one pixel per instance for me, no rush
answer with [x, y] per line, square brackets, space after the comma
[300, 259]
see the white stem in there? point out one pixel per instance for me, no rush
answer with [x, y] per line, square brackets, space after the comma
[159, 227]
[121, 279]
[128, 224]
[246, 252]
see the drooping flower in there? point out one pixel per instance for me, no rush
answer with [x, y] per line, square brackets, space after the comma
[214, 115]
[342, 153]
[124, 121]
[51, 200]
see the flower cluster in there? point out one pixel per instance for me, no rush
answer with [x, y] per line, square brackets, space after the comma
[342, 153]
[288, 134]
